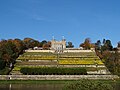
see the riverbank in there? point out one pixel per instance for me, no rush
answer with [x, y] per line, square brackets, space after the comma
[56, 77]
[51, 81]
[47, 84]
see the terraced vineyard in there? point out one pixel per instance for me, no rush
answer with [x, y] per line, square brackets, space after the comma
[48, 59]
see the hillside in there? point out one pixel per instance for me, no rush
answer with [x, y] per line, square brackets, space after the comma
[88, 60]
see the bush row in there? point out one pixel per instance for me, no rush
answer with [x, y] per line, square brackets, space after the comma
[53, 71]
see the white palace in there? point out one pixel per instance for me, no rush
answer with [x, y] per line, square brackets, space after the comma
[60, 47]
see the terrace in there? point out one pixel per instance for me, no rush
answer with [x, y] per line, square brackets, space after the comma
[68, 59]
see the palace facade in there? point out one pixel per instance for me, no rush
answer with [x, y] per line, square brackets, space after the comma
[58, 46]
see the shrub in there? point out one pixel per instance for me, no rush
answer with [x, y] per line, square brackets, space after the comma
[85, 84]
[53, 71]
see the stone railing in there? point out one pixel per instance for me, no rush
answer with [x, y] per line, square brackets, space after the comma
[63, 51]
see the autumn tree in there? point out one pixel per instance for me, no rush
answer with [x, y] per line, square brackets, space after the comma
[111, 59]
[8, 51]
[113, 63]
[30, 43]
[20, 46]
[87, 44]
[47, 45]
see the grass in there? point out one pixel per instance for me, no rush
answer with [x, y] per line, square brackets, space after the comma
[77, 61]
[16, 68]
[5, 71]
[35, 58]
[51, 81]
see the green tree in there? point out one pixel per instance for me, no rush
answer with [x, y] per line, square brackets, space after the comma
[42, 43]
[118, 44]
[98, 45]
[2, 64]
[69, 45]
[107, 46]
[104, 41]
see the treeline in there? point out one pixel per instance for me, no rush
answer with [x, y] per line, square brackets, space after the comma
[10, 49]
[53, 71]
[109, 55]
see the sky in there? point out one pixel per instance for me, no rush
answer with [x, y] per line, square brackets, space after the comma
[73, 19]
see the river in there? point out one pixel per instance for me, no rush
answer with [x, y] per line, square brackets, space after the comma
[31, 86]
[39, 86]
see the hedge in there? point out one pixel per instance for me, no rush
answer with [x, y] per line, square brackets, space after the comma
[53, 71]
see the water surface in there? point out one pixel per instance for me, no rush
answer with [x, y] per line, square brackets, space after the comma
[31, 86]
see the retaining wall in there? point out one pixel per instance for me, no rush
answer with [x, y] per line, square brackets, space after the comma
[56, 77]
[63, 51]
[39, 51]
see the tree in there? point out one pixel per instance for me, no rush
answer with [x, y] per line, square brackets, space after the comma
[2, 64]
[19, 45]
[98, 45]
[111, 59]
[118, 44]
[46, 46]
[104, 41]
[87, 44]
[30, 43]
[113, 63]
[27, 42]
[107, 46]
[70, 45]
[42, 43]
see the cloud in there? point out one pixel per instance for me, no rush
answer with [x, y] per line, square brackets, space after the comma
[38, 18]
[43, 18]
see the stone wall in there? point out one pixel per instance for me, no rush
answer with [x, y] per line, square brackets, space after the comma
[39, 50]
[56, 77]
[76, 51]
[63, 51]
